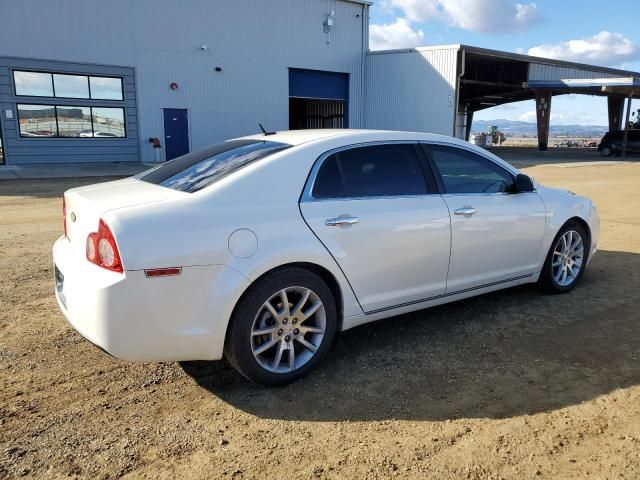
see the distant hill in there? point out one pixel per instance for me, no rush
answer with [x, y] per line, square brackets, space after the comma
[513, 128]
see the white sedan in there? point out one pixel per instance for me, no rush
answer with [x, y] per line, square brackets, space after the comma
[260, 249]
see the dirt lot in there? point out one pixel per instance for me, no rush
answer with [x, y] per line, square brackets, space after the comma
[516, 384]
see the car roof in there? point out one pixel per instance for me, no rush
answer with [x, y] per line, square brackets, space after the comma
[298, 137]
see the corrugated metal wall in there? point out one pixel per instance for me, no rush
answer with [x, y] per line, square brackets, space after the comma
[253, 42]
[66, 150]
[412, 90]
[542, 71]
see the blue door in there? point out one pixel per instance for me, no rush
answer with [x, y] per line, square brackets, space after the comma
[176, 132]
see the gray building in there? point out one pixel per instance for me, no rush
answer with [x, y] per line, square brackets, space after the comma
[149, 80]
[90, 81]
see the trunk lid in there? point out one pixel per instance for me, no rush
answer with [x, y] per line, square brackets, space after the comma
[85, 205]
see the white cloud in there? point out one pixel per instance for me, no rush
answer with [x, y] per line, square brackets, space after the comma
[564, 117]
[398, 34]
[486, 16]
[529, 116]
[604, 48]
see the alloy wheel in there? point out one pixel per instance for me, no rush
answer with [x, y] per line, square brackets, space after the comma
[288, 329]
[568, 256]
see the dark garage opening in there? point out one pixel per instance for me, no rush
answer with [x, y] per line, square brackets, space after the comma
[315, 113]
[318, 99]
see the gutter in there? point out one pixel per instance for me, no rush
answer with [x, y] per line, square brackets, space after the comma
[461, 67]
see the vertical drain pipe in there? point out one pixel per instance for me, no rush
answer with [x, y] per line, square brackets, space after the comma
[363, 66]
[461, 69]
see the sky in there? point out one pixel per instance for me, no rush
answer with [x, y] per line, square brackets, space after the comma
[598, 33]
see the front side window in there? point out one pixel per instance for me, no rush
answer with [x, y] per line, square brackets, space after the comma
[371, 171]
[197, 170]
[33, 84]
[463, 171]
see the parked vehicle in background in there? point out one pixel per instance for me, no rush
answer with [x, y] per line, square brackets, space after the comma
[611, 143]
[260, 249]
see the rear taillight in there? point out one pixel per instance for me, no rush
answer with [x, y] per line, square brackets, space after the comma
[102, 250]
[64, 215]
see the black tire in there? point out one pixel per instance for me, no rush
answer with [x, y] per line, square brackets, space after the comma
[238, 342]
[547, 279]
[606, 151]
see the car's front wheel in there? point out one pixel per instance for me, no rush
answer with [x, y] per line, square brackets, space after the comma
[606, 151]
[567, 258]
[282, 327]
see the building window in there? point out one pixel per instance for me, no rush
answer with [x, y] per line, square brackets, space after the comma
[106, 88]
[108, 122]
[71, 121]
[74, 122]
[33, 84]
[60, 85]
[70, 86]
[37, 121]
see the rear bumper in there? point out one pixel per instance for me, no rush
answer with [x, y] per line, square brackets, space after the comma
[136, 318]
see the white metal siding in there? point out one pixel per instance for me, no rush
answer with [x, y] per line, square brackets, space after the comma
[412, 90]
[253, 42]
[542, 71]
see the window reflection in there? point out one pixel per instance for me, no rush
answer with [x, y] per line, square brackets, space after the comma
[74, 121]
[71, 86]
[33, 84]
[37, 121]
[106, 88]
[108, 122]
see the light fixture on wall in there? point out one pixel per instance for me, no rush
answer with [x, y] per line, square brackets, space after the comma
[173, 86]
[328, 24]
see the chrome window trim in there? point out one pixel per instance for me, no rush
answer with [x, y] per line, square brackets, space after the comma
[307, 196]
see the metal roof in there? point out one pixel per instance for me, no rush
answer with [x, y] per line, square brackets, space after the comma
[548, 61]
[514, 56]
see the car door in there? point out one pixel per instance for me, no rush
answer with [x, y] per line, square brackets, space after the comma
[390, 234]
[496, 236]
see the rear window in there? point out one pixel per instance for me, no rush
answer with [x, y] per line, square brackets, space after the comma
[197, 170]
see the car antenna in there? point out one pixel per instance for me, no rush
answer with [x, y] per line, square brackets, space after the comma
[265, 131]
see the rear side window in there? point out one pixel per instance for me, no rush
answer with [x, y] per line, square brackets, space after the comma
[197, 170]
[371, 171]
[466, 172]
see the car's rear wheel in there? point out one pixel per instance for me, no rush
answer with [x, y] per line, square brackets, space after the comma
[282, 327]
[567, 258]
[606, 151]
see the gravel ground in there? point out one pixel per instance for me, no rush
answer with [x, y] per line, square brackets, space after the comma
[516, 384]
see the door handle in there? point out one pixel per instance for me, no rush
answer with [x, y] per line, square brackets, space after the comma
[467, 211]
[341, 220]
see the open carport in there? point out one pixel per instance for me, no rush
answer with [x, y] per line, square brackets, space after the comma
[488, 78]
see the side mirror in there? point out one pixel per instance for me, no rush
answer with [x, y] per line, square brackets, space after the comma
[523, 183]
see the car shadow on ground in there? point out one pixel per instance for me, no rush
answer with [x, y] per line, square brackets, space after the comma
[514, 352]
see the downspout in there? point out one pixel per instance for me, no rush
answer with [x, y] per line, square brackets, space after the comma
[461, 67]
[363, 66]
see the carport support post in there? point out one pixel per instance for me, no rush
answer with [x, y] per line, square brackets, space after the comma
[543, 114]
[625, 137]
[616, 108]
[467, 131]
